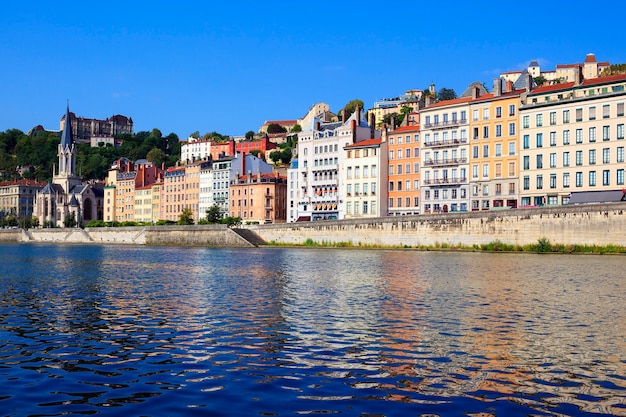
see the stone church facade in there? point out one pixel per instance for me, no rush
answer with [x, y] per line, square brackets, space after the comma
[67, 200]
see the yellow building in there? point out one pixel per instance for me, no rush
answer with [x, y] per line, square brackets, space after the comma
[493, 148]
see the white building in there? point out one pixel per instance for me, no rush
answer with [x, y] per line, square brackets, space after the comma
[366, 178]
[320, 162]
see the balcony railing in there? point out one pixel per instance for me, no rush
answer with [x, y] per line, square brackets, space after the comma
[446, 161]
[444, 181]
[444, 143]
[448, 123]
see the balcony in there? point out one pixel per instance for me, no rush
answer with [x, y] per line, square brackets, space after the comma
[445, 143]
[446, 124]
[445, 162]
[445, 181]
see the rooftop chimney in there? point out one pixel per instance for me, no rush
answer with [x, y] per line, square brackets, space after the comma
[497, 87]
[578, 76]
[372, 124]
[475, 92]
[509, 86]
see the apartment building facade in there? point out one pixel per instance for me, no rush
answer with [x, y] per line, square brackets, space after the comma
[321, 154]
[403, 171]
[365, 179]
[259, 198]
[444, 130]
[572, 139]
[493, 154]
[17, 198]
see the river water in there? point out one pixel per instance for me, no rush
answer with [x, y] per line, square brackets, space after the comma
[159, 331]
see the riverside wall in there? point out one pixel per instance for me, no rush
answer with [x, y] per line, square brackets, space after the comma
[592, 224]
[597, 224]
[202, 235]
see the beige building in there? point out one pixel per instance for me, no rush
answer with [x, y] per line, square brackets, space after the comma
[444, 178]
[17, 198]
[572, 139]
[365, 179]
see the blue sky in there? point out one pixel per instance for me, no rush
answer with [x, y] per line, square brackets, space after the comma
[229, 66]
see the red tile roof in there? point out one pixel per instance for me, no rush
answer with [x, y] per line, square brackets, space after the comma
[403, 129]
[586, 83]
[365, 143]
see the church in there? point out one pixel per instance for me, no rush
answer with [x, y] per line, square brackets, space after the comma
[67, 201]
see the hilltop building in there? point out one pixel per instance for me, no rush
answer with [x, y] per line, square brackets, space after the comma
[84, 129]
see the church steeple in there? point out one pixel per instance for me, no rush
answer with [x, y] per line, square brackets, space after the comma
[67, 138]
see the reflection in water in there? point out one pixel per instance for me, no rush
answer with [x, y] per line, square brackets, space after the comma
[180, 331]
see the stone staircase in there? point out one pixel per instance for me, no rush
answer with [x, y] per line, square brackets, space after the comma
[249, 236]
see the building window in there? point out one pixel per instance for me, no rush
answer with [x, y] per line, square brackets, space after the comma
[606, 156]
[620, 131]
[539, 161]
[606, 111]
[620, 176]
[540, 182]
[565, 159]
[485, 151]
[498, 149]
[526, 162]
[498, 131]
[606, 177]
[566, 180]
[498, 112]
[566, 137]
[565, 116]
[552, 118]
[552, 180]
[579, 158]
[539, 120]
[486, 114]
[539, 140]
[592, 156]
[579, 115]
[579, 136]
[526, 141]
[511, 129]
[620, 154]
[592, 113]
[606, 133]
[511, 148]
[592, 134]
[553, 160]
[526, 122]
[592, 178]
[485, 170]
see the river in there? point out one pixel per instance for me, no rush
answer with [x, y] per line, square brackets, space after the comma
[163, 331]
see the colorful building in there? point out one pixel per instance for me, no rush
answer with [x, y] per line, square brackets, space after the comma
[493, 149]
[404, 170]
[572, 139]
[259, 198]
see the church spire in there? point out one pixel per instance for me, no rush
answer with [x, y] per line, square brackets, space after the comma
[66, 137]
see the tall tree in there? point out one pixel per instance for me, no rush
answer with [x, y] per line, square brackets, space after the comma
[350, 107]
[446, 94]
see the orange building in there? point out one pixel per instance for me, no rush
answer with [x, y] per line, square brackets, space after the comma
[404, 170]
[259, 198]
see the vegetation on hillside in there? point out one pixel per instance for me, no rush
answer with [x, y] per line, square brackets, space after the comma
[614, 70]
[39, 152]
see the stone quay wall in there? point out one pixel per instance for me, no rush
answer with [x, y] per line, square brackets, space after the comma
[201, 235]
[593, 224]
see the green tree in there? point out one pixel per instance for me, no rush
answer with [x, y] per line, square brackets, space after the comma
[446, 94]
[296, 128]
[186, 217]
[613, 70]
[540, 80]
[70, 220]
[350, 107]
[214, 214]
[250, 135]
[285, 155]
[276, 128]
[275, 156]
[156, 156]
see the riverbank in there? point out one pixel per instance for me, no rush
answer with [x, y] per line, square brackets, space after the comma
[589, 228]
